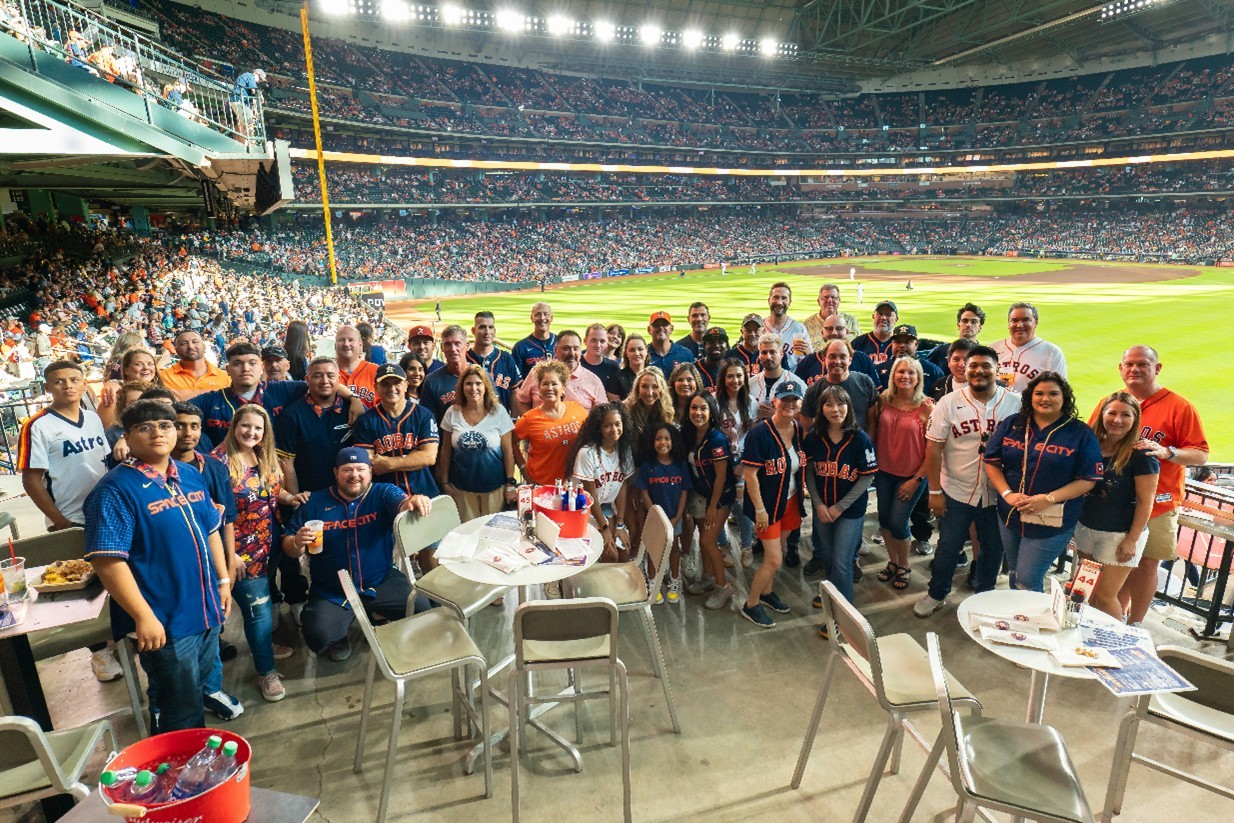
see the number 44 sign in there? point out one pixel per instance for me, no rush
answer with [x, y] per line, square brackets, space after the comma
[1086, 579]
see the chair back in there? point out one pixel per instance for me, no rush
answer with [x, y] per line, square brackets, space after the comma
[413, 533]
[656, 542]
[1212, 677]
[366, 627]
[952, 728]
[22, 742]
[854, 638]
[66, 544]
[568, 622]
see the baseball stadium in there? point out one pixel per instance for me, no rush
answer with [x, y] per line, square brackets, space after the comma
[809, 408]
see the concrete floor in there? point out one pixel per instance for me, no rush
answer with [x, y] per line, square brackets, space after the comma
[744, 697]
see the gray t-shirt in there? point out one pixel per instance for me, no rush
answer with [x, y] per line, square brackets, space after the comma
[860, 388]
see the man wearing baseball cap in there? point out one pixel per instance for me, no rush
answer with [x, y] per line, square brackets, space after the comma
[399, 436]
[422, 342]
[357, 535]
[275, 363]
[663, 353]
[715, 349]
[877, 341]
[245, 95]
[904, 344]
[747, 348]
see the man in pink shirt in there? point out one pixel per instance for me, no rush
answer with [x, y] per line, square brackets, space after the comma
[585, 388]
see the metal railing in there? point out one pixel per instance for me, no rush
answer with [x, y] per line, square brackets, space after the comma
[1198, 581]
[130, 60]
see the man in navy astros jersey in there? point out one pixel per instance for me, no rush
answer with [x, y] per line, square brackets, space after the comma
[540, 344]
[359, 537]
[400, 436]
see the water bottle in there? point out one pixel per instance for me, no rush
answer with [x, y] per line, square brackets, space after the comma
[166, 780]
[143, 789]
[194, 778]
[225, 765]
[116, 782]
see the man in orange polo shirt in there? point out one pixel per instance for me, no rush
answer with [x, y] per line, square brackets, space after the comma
[1170, 430]
[354, 371]
[192, 374]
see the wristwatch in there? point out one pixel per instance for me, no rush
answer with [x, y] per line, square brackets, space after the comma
[1050, 498]
[1173, 452]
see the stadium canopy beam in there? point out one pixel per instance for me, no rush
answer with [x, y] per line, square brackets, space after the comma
[848, 25]
[1142, 33]
[1221, 13]
[1064, 48]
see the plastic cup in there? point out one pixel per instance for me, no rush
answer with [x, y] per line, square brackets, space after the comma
[318, 528]
[14, 573]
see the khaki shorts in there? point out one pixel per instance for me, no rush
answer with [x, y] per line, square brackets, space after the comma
[696, 506]
[1162, 536]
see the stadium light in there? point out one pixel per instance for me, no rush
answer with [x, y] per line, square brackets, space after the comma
[691, 38]
[451, 15]
[769, 47]
[396, 11]
[650, 34]
[334, 7]
[510, 21]
[558, 25]
[604, 31]
[730, 41]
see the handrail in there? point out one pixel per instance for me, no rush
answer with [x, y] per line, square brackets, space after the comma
[130, 60]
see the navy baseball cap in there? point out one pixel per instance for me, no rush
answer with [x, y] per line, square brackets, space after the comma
[790, 388]
[715, 333]
[389, 371]
[905, 330]
[751, 318]
[274, 353]
[888, 304]
[352, 454]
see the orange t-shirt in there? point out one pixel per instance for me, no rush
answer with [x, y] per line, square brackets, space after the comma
[362, 382]
[549, 442]
[1169, 420]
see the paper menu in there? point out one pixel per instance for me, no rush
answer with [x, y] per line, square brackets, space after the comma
[573, 550]
[1026, 639]
[1020, 621]
[1116, 637]
[505, 521]
[1141, 672]
[501, 559]
[547, 531]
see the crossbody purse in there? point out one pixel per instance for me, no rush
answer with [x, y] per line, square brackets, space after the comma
[1052, 515]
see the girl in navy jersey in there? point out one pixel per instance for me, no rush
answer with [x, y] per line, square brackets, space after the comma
[738, 412]
[663, 478]
[840, 468]
[712, 495]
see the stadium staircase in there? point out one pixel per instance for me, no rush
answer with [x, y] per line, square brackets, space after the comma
[56, 113]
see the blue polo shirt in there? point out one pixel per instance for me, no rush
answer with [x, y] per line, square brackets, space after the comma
[503, 370]
[767, 451]
[358, 536]
[218, 483]
[812, 367]
[664, 483]
[878, 350]
[399, 436]
[1065, 450]
[220, 405]
[437, 392]
[714, 449]
[838, 466]
[931, 372]
[310, 436]
[531, 350]
[160, 525]
[666, 362]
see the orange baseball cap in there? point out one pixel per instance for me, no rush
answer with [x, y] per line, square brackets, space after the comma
[660, 315]
[420, 331]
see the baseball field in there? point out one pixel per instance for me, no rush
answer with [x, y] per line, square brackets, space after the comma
[1092, 310]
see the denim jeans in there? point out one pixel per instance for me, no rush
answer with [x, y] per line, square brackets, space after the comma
[893, 512]
[176, 674]
[953, 529]
[252, 597]
[1031, 557]
[835, 545]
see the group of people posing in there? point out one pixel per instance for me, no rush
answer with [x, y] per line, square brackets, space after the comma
[219, 471]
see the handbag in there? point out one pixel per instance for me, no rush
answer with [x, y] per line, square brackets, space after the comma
[1052, 515]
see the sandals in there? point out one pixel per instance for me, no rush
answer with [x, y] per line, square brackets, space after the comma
[897, 576]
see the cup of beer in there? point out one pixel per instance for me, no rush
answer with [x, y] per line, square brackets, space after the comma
[13, 573]
[318, 528]
[1006, 376]
[799, 344]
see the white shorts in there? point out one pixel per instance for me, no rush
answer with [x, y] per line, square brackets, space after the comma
[1103, 546]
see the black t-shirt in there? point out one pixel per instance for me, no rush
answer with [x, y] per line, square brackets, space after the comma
[607, 372]
[624, 381]
[1110, 506]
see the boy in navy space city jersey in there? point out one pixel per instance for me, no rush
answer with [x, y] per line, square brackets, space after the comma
[152, 534]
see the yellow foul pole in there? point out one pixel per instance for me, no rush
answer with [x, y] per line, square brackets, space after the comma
[321, 161]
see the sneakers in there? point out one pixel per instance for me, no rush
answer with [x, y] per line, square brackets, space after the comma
[271, 686]
[926, 606]
[659, 596]
[961, 561]
[747, 557]
[222, 705]
[227, 651]
[719, 597]
[296, 609]
[757, 616]
[105, 666]
[701, 586]
[340, 651]
[877, 539]
[282, 652]
[857, 573]
[689, 566]
[814, 567]
[674, 590]
[864, 548]
[772, 601]
[791, 559]
[923, 547]
[552, 590]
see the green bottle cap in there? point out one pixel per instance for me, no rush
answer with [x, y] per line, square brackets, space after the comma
[163, 768]
[215, 741]
[143, 779]
[230, 748]
[107, 778]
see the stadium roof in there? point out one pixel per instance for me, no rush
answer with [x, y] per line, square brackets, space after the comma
[859, 40]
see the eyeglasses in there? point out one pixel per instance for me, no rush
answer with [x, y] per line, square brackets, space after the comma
[985, 438]
[163, 427]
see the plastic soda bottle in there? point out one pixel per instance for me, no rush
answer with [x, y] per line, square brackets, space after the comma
[195, 777]
[225, 765]
[143, 788]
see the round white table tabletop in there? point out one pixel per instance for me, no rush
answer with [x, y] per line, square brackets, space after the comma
[478, 572]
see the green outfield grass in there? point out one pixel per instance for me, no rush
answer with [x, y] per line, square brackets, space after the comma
[1185, 319]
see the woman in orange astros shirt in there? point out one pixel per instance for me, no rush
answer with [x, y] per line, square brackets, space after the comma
[545, 433]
